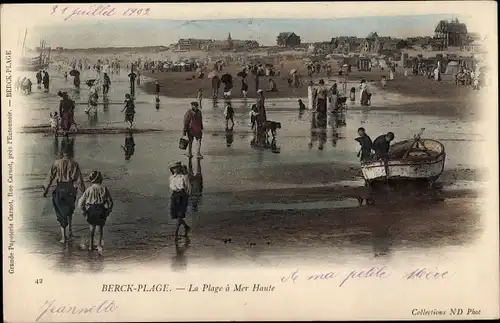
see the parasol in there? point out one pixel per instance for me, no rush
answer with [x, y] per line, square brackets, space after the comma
[293, 71]
[90, 82]
[74, 73]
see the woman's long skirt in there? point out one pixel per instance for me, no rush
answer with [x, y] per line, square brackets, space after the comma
[67, 119]
[63, 199]
[178, 204]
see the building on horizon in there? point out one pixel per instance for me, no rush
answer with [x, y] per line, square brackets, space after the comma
[450, 34]
[288, 39]
[214, 44]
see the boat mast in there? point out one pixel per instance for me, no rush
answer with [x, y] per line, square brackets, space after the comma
[24, 41]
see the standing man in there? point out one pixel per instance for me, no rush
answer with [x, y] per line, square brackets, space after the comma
[193, 128]
[68, 177]
[132, 77]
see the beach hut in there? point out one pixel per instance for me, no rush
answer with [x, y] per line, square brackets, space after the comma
[452, 68]
[364, 64]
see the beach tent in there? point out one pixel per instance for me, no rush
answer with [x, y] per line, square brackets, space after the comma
[382, 63]
[452, 68]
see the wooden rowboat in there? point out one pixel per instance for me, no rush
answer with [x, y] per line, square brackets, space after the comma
[417, 159]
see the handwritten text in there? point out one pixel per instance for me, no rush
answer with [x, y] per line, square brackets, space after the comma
[98, 11]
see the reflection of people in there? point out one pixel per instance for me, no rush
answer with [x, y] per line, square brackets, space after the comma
[180, 188]
[179, 261]
[229, 115]
[314, 131]
[129, 147]
[96, 204]
[55, 147]
[68, 177]
[229, 137]
[196, 183]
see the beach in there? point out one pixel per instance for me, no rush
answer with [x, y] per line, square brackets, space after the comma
[298, 202]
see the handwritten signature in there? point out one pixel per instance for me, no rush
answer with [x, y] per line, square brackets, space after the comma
[370, 273]
[50, 307]
[98, 11]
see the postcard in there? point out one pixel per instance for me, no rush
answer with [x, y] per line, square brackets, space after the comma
[250, 161]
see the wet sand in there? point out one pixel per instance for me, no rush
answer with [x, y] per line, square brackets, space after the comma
[256, 206]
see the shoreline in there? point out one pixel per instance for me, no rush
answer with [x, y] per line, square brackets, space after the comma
[431, 98]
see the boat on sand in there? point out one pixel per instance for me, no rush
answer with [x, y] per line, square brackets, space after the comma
[416, 159]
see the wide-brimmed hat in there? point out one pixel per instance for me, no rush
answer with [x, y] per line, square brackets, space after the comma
[95, 177]
[175, 165]
[194, 104]
[260, 91]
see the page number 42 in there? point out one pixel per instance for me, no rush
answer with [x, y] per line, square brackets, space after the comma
[39, 281]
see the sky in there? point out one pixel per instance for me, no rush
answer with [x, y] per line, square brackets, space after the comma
[156, 32]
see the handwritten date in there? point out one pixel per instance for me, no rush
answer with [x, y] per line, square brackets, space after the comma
[97, 11]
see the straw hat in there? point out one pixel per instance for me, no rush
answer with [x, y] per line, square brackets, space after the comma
[175, 165]
[260, 91]
[95, 177]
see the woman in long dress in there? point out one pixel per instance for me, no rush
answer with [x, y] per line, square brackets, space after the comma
[66, 112]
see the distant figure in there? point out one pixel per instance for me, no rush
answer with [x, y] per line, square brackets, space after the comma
[65, 76]
[244, 87]
[383, 82]
[365, 95]
[96, 204]
[129, 110]
[39, 79]
[302, 106]
[352, 94]
[132, 77]
[272, 86]
[106, 84]
[46, 81]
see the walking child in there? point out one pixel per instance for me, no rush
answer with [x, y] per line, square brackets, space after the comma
[96, 204]
[180, 188]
